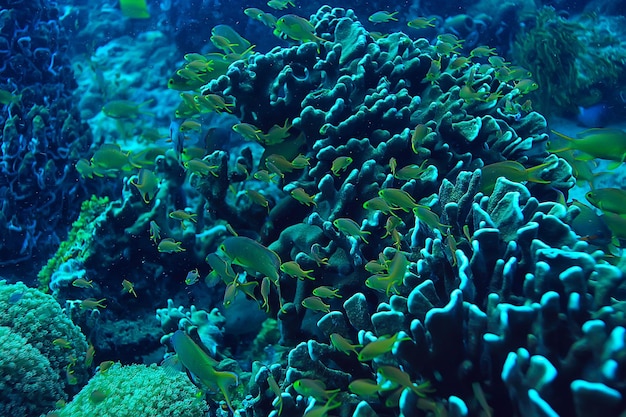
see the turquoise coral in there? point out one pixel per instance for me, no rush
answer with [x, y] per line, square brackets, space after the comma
[33, 369]
[136, 390]
[478, 274]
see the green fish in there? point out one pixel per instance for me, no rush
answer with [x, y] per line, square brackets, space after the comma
[609, 144]
[250, 254]
[125, 109]
[510, 170]
[608, 199]
[198, 363]
[135, 9]
[296, 28]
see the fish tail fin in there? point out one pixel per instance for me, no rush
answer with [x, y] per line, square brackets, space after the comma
[145, 103]
[224, 379]
[563, 136]
[535, 172]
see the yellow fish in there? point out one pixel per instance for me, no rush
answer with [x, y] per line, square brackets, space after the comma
[383, 17]
[294, 270]
[238, 44]
[410, 172]
[82, 283]
[350, 228]
[379, 347]
[257, 14]
[182, 215]
[608, 199]
[111, 157]
[258, 198]
[198, 363]
[342, 344]
[300, 195]
[125, 109]
[169, 245]
[394, 277]
[92, 304]
[430, 218]
[397, 198]
[421, 23]
[250, 254]
[135, 9]
[7, 97]
[147, 183]
[280, 4]
[314, 388]
[510, 170]
[315, 304]
[128, 287]
[417, 137]
[397, 376]
[155, 231]
[62, 343]
[364, 387]
[326, 292]
[296, 28]
[340, 164]
[482, 51]
[607, 144]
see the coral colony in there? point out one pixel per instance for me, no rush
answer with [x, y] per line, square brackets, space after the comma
[350, 223]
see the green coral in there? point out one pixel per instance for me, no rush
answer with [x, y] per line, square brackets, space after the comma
[136, 391]
[78, 242]
[269, 335]
[550, 50]
[569, 59]
[28, 383]
[33, 369]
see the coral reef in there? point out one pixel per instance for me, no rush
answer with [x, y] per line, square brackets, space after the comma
[381, 233]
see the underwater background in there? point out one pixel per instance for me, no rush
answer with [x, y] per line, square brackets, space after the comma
[290, 208]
